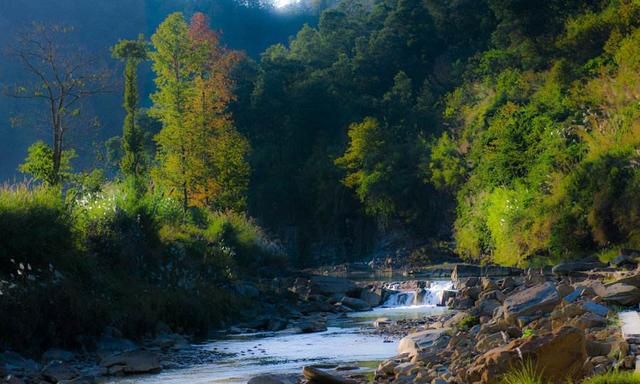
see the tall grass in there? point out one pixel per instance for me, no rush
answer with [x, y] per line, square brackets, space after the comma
[615, 377]
[526, 373]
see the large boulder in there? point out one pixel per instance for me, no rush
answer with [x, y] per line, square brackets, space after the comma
[372, 296]
[318, 376]
[418, 342]
[559, 356]
[568, 268]
[355, 304]
[622, 294]
[628, 280]
[132, 362]
[110, 345]
[57, 371]
[329, 285]
[543, 297]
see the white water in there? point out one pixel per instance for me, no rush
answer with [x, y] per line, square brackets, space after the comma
[421, 297]
[343, 343]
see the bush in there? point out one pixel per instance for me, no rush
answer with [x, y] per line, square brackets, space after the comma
[35, 228]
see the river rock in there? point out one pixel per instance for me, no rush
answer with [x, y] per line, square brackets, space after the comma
[355, 304]
[246, 289]
[372, 296]
[572, 267]
[132, 362]
[633, 280]
[273, 379]
[596, 308]
[415, 343]
[110, 345]
[543, 297]
[556, 354]
[317, 376]
[57, 355]
[14, 363]
[57, 371]
[622, 294]
[329, 285]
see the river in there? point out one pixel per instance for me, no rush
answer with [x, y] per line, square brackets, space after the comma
[347, 341]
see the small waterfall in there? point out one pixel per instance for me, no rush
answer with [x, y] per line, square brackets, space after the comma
[429, 296]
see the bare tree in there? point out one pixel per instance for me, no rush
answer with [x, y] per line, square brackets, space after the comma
[62, 75]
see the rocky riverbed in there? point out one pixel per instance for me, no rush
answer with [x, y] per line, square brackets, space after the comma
[565, 321]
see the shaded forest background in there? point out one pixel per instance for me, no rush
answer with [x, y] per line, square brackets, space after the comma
[509, 126]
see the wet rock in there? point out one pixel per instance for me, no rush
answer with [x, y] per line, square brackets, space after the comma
[169, 341]
[273, 379]
[132, 362]
[381, 322]
[276, 324]
[355, 304]
[372, 296]
[317, 376]
[543, 297]
[622, 294]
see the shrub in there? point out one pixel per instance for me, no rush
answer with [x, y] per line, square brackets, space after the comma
[468, 322]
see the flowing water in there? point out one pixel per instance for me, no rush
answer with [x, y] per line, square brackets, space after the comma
[344, 342]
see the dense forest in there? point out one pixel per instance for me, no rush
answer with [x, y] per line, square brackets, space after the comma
[507, 127]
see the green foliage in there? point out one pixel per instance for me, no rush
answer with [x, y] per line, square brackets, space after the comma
[133, 159]
[528, 332]
[39, 164]
[615, 377]
[468, 322]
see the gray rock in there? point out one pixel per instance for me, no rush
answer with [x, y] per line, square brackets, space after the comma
[57, 371]
[628, 280]
[14, 363]
[57, 354]
[372, 296]
[132, 362]
[622, 294]
[575, 267]
[317, 376]
[329, 285]
[543, 297]
[273, 379]
[355, 304]
[110, 345]
[596, 308]
[420, 341]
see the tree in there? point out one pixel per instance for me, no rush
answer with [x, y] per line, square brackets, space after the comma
[173, 81]
[200, 153]
[39, 164]
[132, 52]
[62, 75]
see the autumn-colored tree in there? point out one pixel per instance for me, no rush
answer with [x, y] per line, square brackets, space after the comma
[132, 52]
[198, 142]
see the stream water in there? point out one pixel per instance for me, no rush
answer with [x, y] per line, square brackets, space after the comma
[346, 341]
